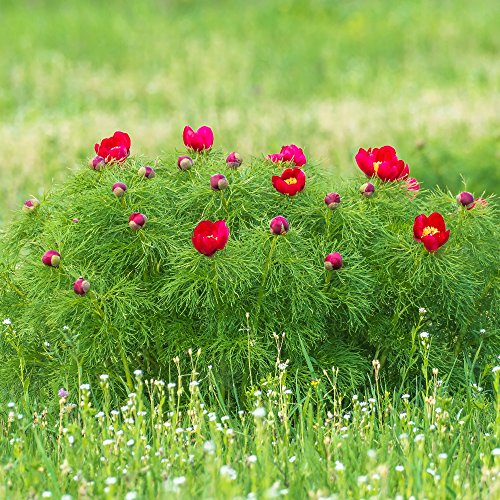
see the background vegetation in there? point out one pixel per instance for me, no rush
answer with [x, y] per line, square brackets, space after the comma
[330, 76]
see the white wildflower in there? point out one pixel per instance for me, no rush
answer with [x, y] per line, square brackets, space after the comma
[259, 412]
[399, 468]
[7, 321]
[111, 480]
[292, 459]
[228, 472]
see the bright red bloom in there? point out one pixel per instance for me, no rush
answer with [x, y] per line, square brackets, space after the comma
[431, 231]
[208, 237]
[382, 163]
[202, 139]
[290, 182]
[116, 148]
[291, 153]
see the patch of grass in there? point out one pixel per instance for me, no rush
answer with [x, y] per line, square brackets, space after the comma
[168, 442]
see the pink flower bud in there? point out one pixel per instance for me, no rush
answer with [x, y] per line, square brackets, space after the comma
[465, 198]
[412, 184]
[75, 220]
[137, 221]
[218, 182]
[119, 189]
[333, 261]
[279, 225]
[31, 205]
[234, 160]
[332, 200]
[62, 393]
[51, 258]
[81, 286]
[147, 172]
[184, 162]
[97, 163]
[367, 189]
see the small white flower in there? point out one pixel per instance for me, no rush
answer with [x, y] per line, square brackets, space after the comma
[339, 466]
[252, 459]
[71, 439]
[65, 328]
[7, 321]
[193, 383]
[496, 452]
[66, 497]
[419, 437]
[399, 468]
[422, 310]
[224, 418]
[362, 479]
[111, 480]
[257, 394]
[179, 480]
[131, 495]
[424, 335]
[11, 404]
[482, 330]
[431, 472]
[371, 453]
[171, 385]
[47, 344]
[209, 447]
[85, 387]
[405, 396]
[292, 459]
[496, 369]
[46, 494]
[443, 456]
[107, 442]
[104, 376]
[228, 472]
[137, 373]
[259, 412]
[130, 442]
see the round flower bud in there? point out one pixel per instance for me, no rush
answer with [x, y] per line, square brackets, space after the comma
[75, 220]
[333, 261]
[81, 286]
[279, 225]
[332, 200]
[465, 198]
[119, 189]
[184, 162]
[51, 258]
[31, 205]
[218, 182]
[147, 172]
[234, 160]
[137, 221]
[367, 189]
[97, 163]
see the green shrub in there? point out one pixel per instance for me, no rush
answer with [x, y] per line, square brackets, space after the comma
[153, 296]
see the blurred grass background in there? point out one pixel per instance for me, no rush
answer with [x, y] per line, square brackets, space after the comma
[330, 76]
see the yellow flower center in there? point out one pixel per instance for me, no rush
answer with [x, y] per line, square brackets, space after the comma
[291, 180]
[429, 230]
[376, 165]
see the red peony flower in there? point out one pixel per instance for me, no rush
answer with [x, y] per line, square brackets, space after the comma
[202, 139]
[382, 163]
[234, 160]
[431, 231]
[291, 153]
[465, 199]
[116, 148]
[290, 182]
[279, 225]
[208, 237]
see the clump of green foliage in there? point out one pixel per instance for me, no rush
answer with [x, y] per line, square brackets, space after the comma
[154, 296]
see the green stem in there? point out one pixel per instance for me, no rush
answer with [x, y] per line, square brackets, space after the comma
[262, 288]
[218, 300]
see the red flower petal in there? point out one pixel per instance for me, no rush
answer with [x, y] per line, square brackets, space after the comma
[431, 243]
[365, 162]
[418, 226]
[436, 220]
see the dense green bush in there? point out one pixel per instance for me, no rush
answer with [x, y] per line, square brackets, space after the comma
[154, 296]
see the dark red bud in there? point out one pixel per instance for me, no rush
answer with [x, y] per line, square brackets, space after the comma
[333, 261]
[218, 182]
[97, 163]
[31, 205]
[367, 189]
[137, 221]
[279, 225]
[465, 198]
[332, 200]
[119, 189]
[234, 160]
[147, 172]
[81, 286]
[51, 258]
[184, 162]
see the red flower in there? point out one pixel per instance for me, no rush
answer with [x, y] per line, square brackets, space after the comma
[116, 148]
[431, 231]
[51, 258]
[202, 139]
[465, 198]
[137, 221]
[291, 153]
[81, 286]
[208, 237]
[290, 182]
[382, 163]
[234, 160]
[279, 225]
[333, 261]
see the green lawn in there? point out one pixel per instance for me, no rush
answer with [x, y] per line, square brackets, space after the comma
[329, 76]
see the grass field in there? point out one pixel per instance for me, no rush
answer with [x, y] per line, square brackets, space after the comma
[330, 76]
